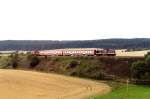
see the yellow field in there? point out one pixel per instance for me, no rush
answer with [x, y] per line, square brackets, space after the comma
[18, 84]
[132, 53]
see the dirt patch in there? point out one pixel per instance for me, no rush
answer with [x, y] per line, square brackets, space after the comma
[18, 84]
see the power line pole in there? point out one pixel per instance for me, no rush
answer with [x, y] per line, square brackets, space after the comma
[127, 88]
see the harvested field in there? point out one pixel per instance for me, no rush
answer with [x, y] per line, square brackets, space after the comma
[18, 84]
[132, 53]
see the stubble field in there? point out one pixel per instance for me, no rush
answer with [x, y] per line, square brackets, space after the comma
[132, 53]
[18, 84]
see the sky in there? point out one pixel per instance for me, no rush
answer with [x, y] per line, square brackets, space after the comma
[74, 19]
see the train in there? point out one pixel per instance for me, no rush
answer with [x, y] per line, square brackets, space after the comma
[76, 52]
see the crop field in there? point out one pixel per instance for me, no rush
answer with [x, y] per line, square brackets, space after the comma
[19, 84]
[132, 53]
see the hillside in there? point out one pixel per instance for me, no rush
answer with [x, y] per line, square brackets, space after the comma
[88, 67]
[48, 44]
[17, 84]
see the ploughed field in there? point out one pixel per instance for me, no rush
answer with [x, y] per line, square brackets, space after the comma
[19, 84]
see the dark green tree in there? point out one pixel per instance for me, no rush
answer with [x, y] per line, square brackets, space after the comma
[138, 69]
[34, 61]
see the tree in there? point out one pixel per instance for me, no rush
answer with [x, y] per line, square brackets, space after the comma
[141, 69]
[137, 69]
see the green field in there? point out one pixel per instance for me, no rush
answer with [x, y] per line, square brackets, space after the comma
[134, 92]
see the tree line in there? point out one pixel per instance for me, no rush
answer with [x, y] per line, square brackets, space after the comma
[138, 43]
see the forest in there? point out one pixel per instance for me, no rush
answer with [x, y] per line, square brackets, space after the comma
[136, 43]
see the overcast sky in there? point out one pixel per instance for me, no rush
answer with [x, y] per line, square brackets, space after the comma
[74, 19]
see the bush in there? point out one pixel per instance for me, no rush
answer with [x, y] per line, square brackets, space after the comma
[34, 61]
[29, 55]
[148, 54]
[14, 64]
[73, 64]
[147, 60]
[5, 62]
[14, 59]
[141, 70]
[137, 69]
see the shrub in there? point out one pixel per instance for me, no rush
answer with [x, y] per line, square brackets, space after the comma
[5, 62]
[14, 60]
[73, 64]
[147, 60]
[15, 64]
[148, 54]
[137, 69]
[141, 71]
[34, 61]
[29, 55]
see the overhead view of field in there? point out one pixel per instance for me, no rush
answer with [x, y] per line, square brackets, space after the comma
[132, 53]
[18, 84]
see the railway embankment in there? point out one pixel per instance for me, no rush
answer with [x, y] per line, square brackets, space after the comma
[93, 67]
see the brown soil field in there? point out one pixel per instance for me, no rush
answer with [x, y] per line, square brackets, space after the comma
[19, 84]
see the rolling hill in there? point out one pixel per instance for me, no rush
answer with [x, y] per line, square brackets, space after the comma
[137, 43]
[19, 84]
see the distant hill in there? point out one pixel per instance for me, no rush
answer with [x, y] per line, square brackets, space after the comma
[137, 43]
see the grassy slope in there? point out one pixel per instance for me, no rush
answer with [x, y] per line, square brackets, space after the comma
[135, 92]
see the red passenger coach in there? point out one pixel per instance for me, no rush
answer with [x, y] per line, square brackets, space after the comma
[50, 53]
[78, 52]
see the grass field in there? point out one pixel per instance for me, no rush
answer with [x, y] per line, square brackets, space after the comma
[134, 92]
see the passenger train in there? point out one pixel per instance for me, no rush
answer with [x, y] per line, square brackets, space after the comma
[76, 52]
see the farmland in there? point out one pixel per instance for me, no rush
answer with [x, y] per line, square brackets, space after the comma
[16, 84]
[35, 85]
[132, 53]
